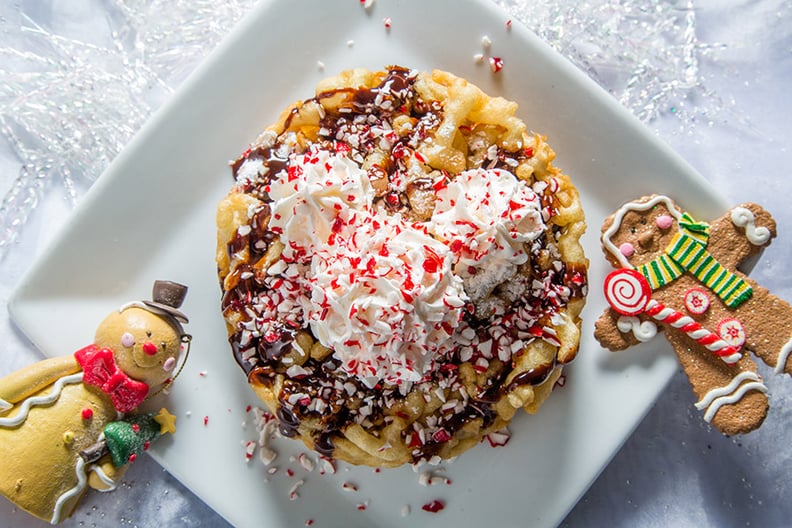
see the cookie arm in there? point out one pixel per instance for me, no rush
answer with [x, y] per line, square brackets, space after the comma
[606, 331]
[18, 385]
[740, 234]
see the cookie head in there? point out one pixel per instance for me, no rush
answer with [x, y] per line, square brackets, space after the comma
[146, 345]
[640, 231]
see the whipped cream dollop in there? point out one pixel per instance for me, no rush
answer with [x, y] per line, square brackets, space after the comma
[485, 216]
[318, 192]
[381, 291]
[386, 300]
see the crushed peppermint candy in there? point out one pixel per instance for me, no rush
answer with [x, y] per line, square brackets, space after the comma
[297, 481]
[428, 478]
[348, 486]
[496, 64]
[293, 495]
[250, 449]
[370, 272]
[498, 438]
[433, 506]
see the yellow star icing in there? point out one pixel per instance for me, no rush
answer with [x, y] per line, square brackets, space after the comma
[166, 420]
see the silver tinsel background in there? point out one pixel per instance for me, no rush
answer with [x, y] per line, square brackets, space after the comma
[70, 100]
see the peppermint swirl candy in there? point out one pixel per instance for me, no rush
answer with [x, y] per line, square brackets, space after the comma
[627, 291]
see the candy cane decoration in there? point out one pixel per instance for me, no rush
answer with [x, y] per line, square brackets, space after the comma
[628, 293]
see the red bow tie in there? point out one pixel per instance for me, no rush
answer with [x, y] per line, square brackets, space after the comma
[100, 370]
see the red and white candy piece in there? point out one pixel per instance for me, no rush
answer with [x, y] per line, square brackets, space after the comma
[696, 301]
[496, 64]
[629, 293]
[732, 331]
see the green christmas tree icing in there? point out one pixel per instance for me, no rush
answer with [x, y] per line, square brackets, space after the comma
[128, 438]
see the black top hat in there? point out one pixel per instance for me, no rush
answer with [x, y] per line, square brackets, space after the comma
[167, 296]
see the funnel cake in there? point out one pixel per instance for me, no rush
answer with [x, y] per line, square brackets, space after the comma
[400, 267]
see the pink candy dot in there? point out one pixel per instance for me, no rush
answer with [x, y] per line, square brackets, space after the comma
[664, 221]
[169, 364]
[627, 249]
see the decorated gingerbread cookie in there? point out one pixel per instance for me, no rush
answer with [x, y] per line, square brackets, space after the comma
[64, 422]
[679, 275]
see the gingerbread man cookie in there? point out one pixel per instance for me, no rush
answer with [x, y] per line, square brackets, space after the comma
[64, 425]
[680, 275]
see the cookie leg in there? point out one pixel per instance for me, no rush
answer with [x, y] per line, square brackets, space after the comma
[768, 329]
[732, 397]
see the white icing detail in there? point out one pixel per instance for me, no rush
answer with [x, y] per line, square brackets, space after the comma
[698, 334]
[132, 304]
[731, 393]
[4, 406]
[643, 331]
[490, 215]
[743, 217]
[619, 216]
[79, 469]
[44, 399]
[783, 356]
[111, 484]
[154, 310]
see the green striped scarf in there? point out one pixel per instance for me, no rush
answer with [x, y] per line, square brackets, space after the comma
[688, 252]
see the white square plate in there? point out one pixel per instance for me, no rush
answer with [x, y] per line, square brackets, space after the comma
[151, 215]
